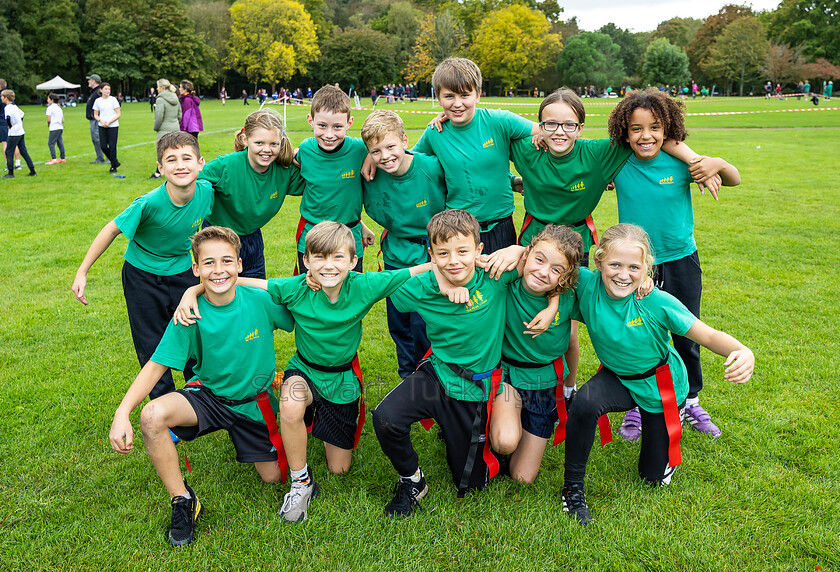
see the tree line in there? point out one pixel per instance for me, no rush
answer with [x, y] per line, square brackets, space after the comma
[367, 43]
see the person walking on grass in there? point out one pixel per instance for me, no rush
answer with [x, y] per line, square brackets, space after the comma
[55, 123]
[14, 119]
[107, 112]
[190, 114]
[94, 82]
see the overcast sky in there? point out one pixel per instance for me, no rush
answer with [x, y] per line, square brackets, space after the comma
[644, 16]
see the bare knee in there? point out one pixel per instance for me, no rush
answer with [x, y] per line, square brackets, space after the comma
[505, 442]
[523, 475]
[269, 471]
[338, 467]
[151, 419]
[292, 411]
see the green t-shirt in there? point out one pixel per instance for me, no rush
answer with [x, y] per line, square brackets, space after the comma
[246, 200]
[656, 195]
[329, 333]
[631, 336]
[404, 204]
[333, 185]
[522, 306]
[233, 346]
[565, 190]
[475, 161]
[159, 231]
[470, 337]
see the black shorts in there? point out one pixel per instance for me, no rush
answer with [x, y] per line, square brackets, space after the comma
[502, 235]
[333, 423]
[539, 410]
[250, 439]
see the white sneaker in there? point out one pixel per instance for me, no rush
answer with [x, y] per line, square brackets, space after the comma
[296, 502]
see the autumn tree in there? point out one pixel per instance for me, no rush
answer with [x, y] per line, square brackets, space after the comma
[590, 58]
[665, 63]
[271, 40]
[358, 56]
[678, 31]
[441, 36]
[739, 53]
[784, 64]
[698, 49]
[514, 44]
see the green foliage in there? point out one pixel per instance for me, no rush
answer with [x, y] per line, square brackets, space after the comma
[739, 52]
[590, 58]
[784, 64]
[629, 48]
[441, 36]
[699, 48]
[50, 35]
[665, 63]
[212, 24]
[678, 31]
[271, 40]
[117, 55]
[812, 24]
[403, 24]
[359, 56]
[514, 44]
[317, 11]
[13, 63]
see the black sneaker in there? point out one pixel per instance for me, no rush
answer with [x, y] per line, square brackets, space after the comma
[112, 170]
[569, 400]
[8, 176]
[574, 502]
[32, 174]
[407, 495]
[185, 511]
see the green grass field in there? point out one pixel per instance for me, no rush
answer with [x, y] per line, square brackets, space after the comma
[763, 496]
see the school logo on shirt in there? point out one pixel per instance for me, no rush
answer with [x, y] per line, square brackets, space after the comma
[667, 180]
[422, 203]
[252, 336]
[556, 319]
[488, 143]
[476, 300]
[578, 187]
[197, 222]
[273, 195]
[351, 174]
[636, 322]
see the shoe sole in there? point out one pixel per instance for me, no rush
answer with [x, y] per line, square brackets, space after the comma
[303, 516]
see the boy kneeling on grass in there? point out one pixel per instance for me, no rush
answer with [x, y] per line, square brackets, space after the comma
[233, 346]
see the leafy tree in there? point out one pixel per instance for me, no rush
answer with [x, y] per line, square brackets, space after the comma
[739, 52]
[784, 64]
[117, 54]
[271, 40]
[212, 23]
[318, 12]
[567, 29]
[809, 23]
[13, 63]
[441, 36]
[698, 49]
[403, 25]
[821, 69]
[514, 44]
[665, 63]
[50, 35]
[472, 12]
[678, 31]
[589, 58]
[629, 48]
[174, 50]
[359, 56]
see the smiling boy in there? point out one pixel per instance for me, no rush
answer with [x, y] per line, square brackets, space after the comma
[330, 163]
[403, 199]
[234, 348]
[157, 266]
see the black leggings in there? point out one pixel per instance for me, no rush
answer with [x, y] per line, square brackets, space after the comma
[108, 143]
[17, 142]
[604, 393]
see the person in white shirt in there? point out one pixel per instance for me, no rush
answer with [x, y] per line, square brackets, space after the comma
[106, 111]
[14, 119]
[55, 122]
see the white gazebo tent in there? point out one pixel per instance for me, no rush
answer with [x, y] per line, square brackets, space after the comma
[56, 83]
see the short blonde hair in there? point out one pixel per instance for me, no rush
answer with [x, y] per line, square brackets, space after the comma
[446, 224]
[629, 234]
[327, 237]
[330, 98]
[220, 233]
[379, 123]
[458, 75]
[265, 119]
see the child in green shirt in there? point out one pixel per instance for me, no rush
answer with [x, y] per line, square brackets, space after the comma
[330, 163]
[157, 266]
[640, 367]
[409, 190]
[233, 345]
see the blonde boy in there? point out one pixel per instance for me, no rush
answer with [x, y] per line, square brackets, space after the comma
[403, 198]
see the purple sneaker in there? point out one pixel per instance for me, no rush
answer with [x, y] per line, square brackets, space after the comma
[631, 427]
[697, 417]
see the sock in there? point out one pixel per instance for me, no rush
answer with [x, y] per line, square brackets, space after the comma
[186, 495]
[17, 162]
[301, 476]
[568, 391]
[689, 401]
[415, 478]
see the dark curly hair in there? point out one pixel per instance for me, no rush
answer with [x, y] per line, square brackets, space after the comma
[667, 110]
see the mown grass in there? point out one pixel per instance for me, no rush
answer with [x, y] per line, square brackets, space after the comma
[763, 496]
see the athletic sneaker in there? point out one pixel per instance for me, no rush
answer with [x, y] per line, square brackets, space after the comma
[631, 427]
[53, 162]
[185, 511]
[112, 170]
[699, 420]
[62, 160]
[32, 174]
[574, 502]
[296, 502]
[9, 176]
[407, 495]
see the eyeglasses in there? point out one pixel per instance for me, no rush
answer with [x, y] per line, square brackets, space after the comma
[552, 126]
